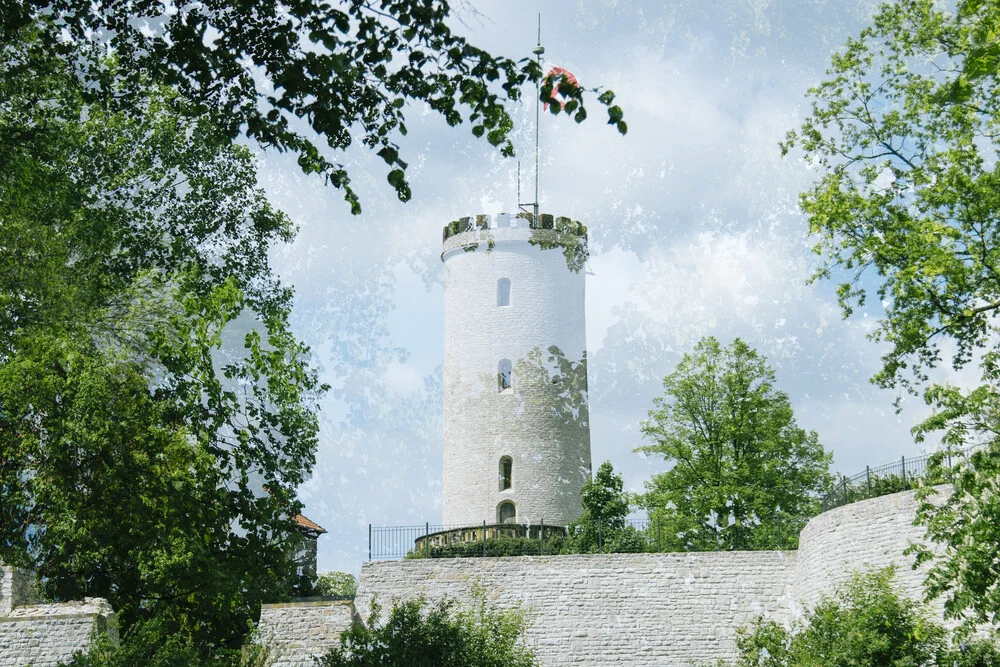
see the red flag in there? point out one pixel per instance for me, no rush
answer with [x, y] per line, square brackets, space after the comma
[557, 75]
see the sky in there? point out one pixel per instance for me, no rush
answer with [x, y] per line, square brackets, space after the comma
[694, 230]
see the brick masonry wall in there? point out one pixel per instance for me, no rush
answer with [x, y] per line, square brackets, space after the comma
[297, 632]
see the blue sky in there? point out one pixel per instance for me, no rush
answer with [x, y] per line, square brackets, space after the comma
[694, 225]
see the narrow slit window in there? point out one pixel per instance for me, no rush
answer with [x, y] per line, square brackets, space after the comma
[506, 513]
[503, 292]
[503, 375]
[506, 472]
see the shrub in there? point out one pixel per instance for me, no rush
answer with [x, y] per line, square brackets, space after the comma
[416, 634]
[337, 584]
[865, 623]
[153, 643]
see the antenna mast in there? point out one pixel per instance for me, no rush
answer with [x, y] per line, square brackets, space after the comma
[538, 51]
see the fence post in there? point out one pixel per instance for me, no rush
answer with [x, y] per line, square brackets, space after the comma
[845, 490]
[903, 462]
[949, 457]
[658, 533]
[427, 541]
[369, 541]
[779, 532]
[484, 537]
[600, 545]
[541, 538]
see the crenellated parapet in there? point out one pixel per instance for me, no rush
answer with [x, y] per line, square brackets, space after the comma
[485, 232]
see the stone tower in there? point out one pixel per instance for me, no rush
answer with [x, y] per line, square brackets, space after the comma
[516, 420]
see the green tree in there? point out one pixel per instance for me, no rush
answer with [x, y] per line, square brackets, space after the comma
[416, 634]
[907, 209]
[604, 500]
[340, 584]
[743, 471]
[866, 622]
[278, 71]
[133, 451]
[905, 142]
[602, 526]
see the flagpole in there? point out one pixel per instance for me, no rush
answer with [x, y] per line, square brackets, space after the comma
[538, 51]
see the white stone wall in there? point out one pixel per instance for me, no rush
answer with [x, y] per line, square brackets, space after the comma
[298, 632]
[610, 609]
[17, 587]
[542, 426]
[666, 609]
[43, 635]
[859, 536]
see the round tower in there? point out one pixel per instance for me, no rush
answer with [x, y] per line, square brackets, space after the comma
[516, 420]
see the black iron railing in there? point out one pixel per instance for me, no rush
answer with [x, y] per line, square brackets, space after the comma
[882, 480]
[636, 536]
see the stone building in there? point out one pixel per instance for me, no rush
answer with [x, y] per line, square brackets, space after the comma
[516, 422]
[305, 556]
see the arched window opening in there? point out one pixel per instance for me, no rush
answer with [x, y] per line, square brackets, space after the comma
[506, 473]
[503, 375]
[503, 292]
[506, 513]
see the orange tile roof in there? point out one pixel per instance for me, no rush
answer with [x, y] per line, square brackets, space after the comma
[303, 522]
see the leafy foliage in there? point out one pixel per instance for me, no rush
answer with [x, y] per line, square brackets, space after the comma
[605, 507]
[904, 133]
[865, 623]
[416, 634]
[150, 644]
[134, 452]
[741, 464]
[275, 70]
[337, 584]
[964, 525]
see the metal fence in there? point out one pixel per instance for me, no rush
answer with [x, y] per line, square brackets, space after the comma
[641, 535]
[882, 480]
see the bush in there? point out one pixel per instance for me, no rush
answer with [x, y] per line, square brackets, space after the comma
[495, 547]
[418, 635]
[337, 584]
[976, 653]
[151, 644]
[865, 623]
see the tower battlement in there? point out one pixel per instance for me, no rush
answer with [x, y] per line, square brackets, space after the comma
[474, 232]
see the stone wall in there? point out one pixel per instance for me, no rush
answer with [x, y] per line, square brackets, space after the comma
[43, 635]
[17, 587]
[295, 632]
[666, 609]
[863, 535]
[604, 609]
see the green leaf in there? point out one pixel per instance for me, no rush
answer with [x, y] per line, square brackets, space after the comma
[396, 178]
